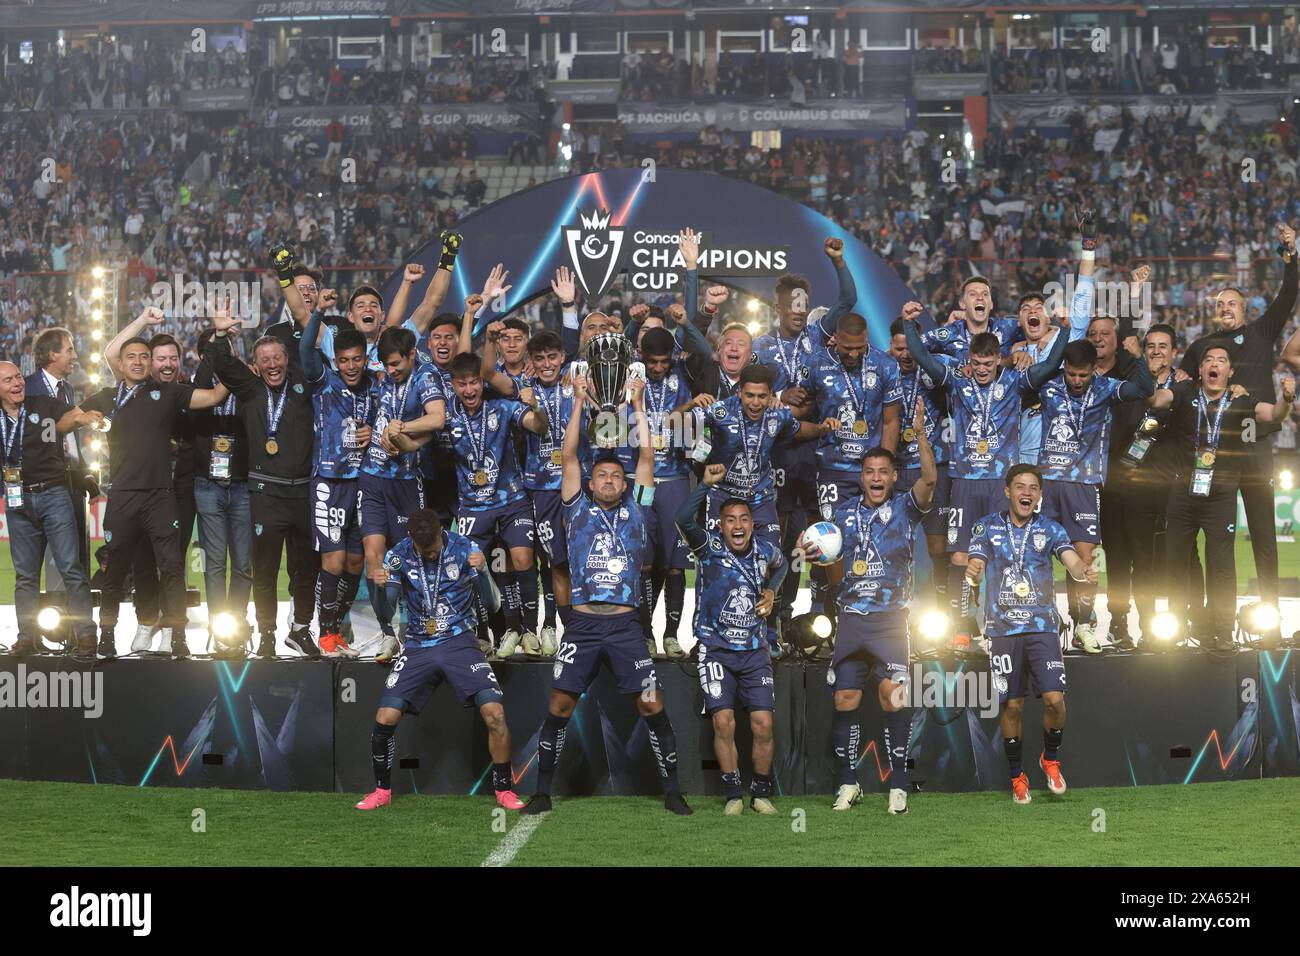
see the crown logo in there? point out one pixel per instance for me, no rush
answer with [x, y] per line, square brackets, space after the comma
[599, 219]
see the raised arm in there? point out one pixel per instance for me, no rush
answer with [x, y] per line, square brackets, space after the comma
[1291, 352]
[688, 515]
[564, 288]
[848, 293]
[1282, 308]
[233, 373]
[571, 479]
[1139, 385]
[923, 488]
[422, 318]
[396, 315]
[307, 354]
[645, 459]
[698, 351]
[1279, 410]
[138, 327]
[283, 261]
[930, 365]
[1040, 372]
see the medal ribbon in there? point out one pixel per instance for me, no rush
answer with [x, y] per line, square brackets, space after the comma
[611, 527]
[982, 420]
[1077, 424]
[477, 449]
[554, 433]
[275, 410]
[865, 526]
[124, 395]
[13, 437]
[753, 450]
[749, 569]
[430, 598]
[1018, 555]
[1212, 430]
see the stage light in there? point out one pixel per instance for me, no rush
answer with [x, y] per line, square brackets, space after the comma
[97, 314]
[754, 328]
[96, 334]
[809, 631]
[752, 305]
[821, 626]
[95, 357]
[97, 272]
[94, 378]
[97, 293]
[933, 626]
[96, 445]
[1286, 479]
[1258, 617]
[49, 619]
[1164, 626]
[224, 626]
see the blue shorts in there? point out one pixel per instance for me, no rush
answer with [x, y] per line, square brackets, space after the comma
[667, 549]
[835, 489]
[548, 517]
[767, 526]
[386, 504]
[936, 522]
[419, 671]
[511, 524]
[970, 500]
[795, 472]
[734, 678]
[335, 520]
[866, 645]
[1076, 507]
[1013, 660]
[616, 639]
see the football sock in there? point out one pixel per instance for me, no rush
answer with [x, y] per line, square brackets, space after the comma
[664, 744]
[348, 585]
[731, 785]
[846, 734]
[1013, 747]
[526, 587]
[511, 609]
[1052, 742]
[383, 745]
[898, 734]
[647, 608]
[761, 785]
[548, 595]
[550, 741]
[501, 777]
[328, 595]
[939, 576]
[674, 600]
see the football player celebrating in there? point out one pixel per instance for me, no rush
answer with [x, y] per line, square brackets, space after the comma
[440, 573]
[1015, 547]
[876, 588]
[345, 402]
[986, 428]
[737, 577]
[972, 319]
[1078, 407]
[607, 548]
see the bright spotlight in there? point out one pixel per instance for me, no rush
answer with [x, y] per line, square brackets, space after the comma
[1260, 618]
[752, 305]
[94, 378]
[933, 625]
[97, 293]
[97, 272]
[95, 357]
[1164, 626]
[754, 328]
[96, 445]
[96, 334]
[97, 314]
[1286, 479]
[821, 626]
[49, 619]
[224, 625]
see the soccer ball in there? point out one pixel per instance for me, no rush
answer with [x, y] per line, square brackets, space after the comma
[821, 543]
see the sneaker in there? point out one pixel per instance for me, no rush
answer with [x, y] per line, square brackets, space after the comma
[336, 646]
[379, 797]
[733, 807]
[107, 644]
[1124, 642]
[510, 800]
[231, 652]
[1085, 636]
[847, 795]
[673, 650]
[532, 646]
[509, 644]
[142, 643]
[165, 641]
[897, 801]
[540, 803]
[23, 648]
[485, 647]
[266, 645]
[1020, 789]
[763, 805]
[300, 640]
[778, 650]
[549, 643]
[653, 649]
[85, 649]
[675, 802]
[1052, 770]
[389, 649]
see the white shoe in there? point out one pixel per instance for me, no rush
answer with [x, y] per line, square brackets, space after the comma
[1086, 634]
[389, 648]
[532, 646]
[734, 808]
[764, 806]
[485, 647]
[509, 644]
[897, 801]
[846, 796]
[549, 644]
[673, 650]
[143, 641]
[165, 641]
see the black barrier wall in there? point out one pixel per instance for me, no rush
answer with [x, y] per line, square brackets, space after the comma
[305, 725]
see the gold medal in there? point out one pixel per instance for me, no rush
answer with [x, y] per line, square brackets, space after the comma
[859, 427]
[480, 478]
[909, 434]
[176, 447]
[1150, 425]
[660, 442]
[272, 446]
[859, 568]
[557, 458]
[1022, 589]
[221, 443]
[981, 447]
[13, 476]
[1207, 459]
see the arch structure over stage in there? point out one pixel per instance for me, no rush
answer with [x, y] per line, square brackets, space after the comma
[530, 232]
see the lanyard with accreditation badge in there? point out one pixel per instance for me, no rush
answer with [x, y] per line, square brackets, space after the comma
[13, 451]
[1203, 462]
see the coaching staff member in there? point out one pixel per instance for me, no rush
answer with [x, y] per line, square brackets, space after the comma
[276, 409]
[1253, 347]
[143, 413]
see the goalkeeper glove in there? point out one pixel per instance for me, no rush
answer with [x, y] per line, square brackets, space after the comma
[1088, 230]
[450, 248]
[282, 260]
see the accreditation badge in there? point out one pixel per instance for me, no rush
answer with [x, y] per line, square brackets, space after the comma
[223, 449]
[1202, 479]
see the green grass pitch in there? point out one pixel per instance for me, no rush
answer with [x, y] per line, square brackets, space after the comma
[1244, 823]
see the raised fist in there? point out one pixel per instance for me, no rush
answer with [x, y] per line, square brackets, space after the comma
[414, 272]
[713, 474]
[714, 296]
[834, 249]
[912, 311]
[283, 261]
[677, 312]
[638, 312]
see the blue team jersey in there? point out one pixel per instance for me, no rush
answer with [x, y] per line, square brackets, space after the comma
[954, 340]
[727, 589]
[439, 594]
[986, 421]
[606, 550]
[405, 403]
[919, 382]
[858, 399]
[1021, 596]
[372, 349]
[878, 553]
[745, 447]
[340, 411]
[1031, 417]
[661, 397]
[543, 463]
[790, 358]
[487, 468]
[1076, 429]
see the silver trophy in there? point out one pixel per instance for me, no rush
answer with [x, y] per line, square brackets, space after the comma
[608, 357]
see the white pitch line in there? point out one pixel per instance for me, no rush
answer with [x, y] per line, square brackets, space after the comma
[514, 841]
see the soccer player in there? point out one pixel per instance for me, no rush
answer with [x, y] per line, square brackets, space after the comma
[411, 403]
[493, 503]
[972, 319]
[440, 573]
[1213, 431]
[875, 589]
[607, 544]
[1078, 407]
[345, 400]
[426, 315]
[986, 435]
[737, 578]
[1015, 547]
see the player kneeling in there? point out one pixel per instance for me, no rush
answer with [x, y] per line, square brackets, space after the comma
[736, 581]
[1016, 548]
[437, 571]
